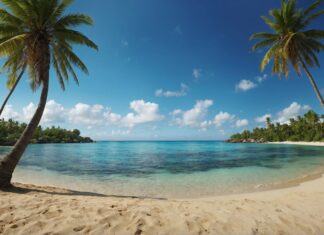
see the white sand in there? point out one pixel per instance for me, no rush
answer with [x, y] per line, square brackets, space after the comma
[44, 210]
[29, 209]
[300, 143]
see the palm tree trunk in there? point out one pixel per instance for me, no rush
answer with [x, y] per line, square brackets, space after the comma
[12, 90]
[8, 164]
[317, 91]
[10, 161]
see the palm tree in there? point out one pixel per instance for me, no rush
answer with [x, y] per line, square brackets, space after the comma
[291, 42]
[12, 64]
[37, 32]
[12, 83]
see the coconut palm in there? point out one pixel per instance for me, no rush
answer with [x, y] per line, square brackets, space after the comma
[38, 34]
[291, 43]
[12, 83]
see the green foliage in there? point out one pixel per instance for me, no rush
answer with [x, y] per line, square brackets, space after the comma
[310, 127]
[11, 130]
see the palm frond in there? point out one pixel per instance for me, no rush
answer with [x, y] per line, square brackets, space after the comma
[75, 37]
[34, 31]
[264, 43]
[73, 20]
[263, 35]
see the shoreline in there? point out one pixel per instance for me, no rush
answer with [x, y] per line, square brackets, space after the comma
[39, 210]
[303, 143]
[198, 193]
[262, 188]
[285, 185]
[292, 207]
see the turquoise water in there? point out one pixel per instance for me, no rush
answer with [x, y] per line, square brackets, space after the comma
[166, 169]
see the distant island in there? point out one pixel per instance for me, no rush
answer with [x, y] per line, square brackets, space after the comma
[308, 128]
[11, 130]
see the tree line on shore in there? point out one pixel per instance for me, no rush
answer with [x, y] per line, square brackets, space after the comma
[10, 131]
[309, 127]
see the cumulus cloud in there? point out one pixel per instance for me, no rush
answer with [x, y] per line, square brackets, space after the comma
[9, 113]
[292, 111]
[28, 111]
[262, 119]
[196, 117]
[196, 73]
[144, 112]
[87, 115]
[245, 85]
[242, 123]
[54, 113]
[120, 132]
[115, 134]
[193, 117]
[182, 92]
[222, 117]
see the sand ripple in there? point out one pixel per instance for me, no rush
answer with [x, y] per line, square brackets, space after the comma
[30, 209]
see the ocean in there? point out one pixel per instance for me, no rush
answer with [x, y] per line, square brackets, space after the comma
[164, 169]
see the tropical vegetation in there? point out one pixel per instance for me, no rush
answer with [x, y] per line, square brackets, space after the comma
[10, 132]
[310, 127]
[37, 35]
[291, 44]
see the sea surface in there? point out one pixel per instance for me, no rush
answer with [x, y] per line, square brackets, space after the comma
[185, 169]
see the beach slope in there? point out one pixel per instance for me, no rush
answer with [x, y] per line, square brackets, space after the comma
[28, 209]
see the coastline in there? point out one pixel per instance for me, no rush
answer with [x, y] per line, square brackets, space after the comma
[318, 144]
[38, 210]
[290, 207]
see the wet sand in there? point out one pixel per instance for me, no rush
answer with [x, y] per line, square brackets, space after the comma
[28, 209]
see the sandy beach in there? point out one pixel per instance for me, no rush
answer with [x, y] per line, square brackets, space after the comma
[321, 144]
[28, 209]
[296, 207]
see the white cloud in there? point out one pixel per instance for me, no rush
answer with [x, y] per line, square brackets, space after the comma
[241, 123]
[176, 112]
[291, 111]
[9, 113]
[116, 134]
[85, 114]
[222, 117]
[110, 117]
[29, 111]
[91, 116]
[120, 132]
[262, 78]
[54, 113]
[193, 117]
[144, 112]
[245, 85]
[262, 119]
[182, 92]
[196, 73]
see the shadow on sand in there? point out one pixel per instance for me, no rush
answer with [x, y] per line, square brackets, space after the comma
[25, 189]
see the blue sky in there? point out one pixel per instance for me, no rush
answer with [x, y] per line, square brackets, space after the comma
[171, 70]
